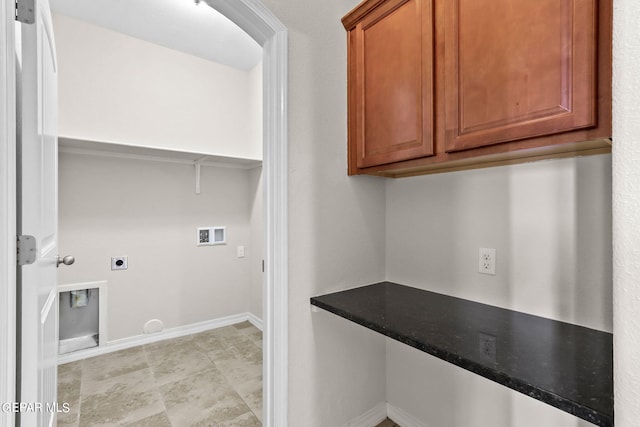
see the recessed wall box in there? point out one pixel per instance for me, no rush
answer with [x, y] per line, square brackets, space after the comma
[119, 262]
[208, 236]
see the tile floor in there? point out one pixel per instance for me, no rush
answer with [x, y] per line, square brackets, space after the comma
[388, 423]
[212, 378]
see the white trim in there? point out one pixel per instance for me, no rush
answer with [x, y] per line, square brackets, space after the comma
[48, 305]
[7, 209]
[371, 418]
[232, 163]
[254, 320]
[138, 340]
[255, 19]
[403, 418]
[378, 413]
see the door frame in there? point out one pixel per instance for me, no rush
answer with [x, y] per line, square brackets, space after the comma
[7, 208]
[256, 20]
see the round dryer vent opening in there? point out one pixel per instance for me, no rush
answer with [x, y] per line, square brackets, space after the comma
[153, 326]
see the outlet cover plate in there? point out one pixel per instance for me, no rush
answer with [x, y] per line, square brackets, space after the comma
[119, 263]
[487, 346]
[209, 236]
[487, 261]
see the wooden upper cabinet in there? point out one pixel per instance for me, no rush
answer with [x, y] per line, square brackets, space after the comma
[518, 69]
[445, 85]
[390, 82]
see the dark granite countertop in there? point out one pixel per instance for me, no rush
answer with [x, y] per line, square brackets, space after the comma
[567, 366]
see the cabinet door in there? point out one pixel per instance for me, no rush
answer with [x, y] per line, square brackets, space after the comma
[391, 64]
[516, 69]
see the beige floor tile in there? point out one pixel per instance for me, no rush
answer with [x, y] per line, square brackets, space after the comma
[120, 400]
[213, 378]
[168, 345]
[255, 335]
[387, 423]
[70, 419]
[70, 368]
[208, 341]
[251, 393]
[245, 420]
[218, 338]
[157, 420]
[243, 325]
[239, 372]
[203, 399]
[171, 364]
[236, 348]
[113, 364]
[225, 412]
[224, 331]
[251, 332]
[69, 381]
[139, 379]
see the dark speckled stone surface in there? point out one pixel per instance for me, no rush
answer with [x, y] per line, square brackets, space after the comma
[567, 366]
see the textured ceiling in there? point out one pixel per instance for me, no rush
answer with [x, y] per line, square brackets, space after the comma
[176, 24]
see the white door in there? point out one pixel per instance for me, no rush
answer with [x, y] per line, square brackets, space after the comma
[37, 201]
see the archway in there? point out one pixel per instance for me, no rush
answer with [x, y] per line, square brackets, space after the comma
[257, 21]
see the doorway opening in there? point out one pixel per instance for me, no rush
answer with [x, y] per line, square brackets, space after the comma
[254, 19]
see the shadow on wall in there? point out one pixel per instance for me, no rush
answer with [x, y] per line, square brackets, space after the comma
[148, 211]
[550, 223]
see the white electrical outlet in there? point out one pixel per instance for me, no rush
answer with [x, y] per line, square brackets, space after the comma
[487, 261]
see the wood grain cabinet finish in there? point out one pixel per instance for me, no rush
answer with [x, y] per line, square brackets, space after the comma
[442, 85]
[518, 69]
[391, 83]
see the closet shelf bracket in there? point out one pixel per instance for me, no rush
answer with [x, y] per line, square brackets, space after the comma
[198, 164]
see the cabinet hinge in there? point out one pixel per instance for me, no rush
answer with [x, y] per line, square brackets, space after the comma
[25, 11]
[26, 250]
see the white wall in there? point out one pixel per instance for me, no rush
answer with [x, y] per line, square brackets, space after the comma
[252, 117]
[550, 223]
[149, 212]
[626, 209]
[256, 223]
[436, 393]
[336, 223]
[256, 186]
[119, 89]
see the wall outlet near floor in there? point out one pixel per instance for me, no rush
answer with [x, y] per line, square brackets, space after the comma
[119, 263]
[488, 346]
[487, 261]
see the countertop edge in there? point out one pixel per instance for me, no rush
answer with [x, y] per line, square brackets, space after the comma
[574, 408]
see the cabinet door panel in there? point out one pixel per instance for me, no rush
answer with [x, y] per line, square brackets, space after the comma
[394, 83]
[516, 69]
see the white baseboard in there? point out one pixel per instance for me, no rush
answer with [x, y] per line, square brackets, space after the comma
[371, 418]
[255, 320]
[378, 413]
[179, 331]
[402, 418]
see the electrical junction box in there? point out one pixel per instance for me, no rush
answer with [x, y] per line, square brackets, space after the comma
[119, 262]
[208, 236]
